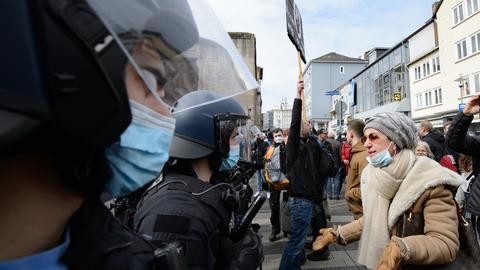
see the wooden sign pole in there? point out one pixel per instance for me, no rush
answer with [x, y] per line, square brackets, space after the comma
[300, 78]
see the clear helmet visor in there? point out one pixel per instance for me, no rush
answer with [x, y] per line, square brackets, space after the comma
[235, 133]
[175, 47]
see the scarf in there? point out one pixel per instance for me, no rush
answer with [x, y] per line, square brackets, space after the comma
[379, 186]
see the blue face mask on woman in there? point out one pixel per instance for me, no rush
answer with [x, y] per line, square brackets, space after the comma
[142, 152]
[381, 159]
[232, 159]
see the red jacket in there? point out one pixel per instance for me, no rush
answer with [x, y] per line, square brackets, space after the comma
[346, 147]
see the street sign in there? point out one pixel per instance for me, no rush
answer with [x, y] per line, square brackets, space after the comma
[332, 93]
[295, 28]
[397, 96]
[461, 106]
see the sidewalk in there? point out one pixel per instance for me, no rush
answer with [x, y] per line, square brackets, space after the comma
[341, 257]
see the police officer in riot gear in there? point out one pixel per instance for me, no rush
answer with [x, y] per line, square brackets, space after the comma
[86, 89]
[189, 205]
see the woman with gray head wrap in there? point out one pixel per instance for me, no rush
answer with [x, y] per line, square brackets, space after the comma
[397, 127]
[397, 184]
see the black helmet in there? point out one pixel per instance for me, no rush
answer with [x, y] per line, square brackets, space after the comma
[209, 128]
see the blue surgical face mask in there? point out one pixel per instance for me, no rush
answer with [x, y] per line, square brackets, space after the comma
[142, 151]
[232, 159]
[381, 159]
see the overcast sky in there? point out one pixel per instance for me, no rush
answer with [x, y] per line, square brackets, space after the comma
[348, 27]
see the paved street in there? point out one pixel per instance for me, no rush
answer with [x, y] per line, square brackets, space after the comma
[341, 257]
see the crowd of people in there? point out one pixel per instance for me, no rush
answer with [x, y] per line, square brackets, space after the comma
[407, 189]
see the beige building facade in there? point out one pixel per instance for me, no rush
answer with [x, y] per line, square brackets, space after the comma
[458, 24]
[251, 101]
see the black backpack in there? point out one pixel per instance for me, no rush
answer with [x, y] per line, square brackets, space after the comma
[327, 166]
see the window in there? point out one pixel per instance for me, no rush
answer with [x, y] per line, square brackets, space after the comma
[461, 49]
[419, 101]
[436, 64]
[466, 88]
[438, 96]
[476, 82]
[428, 68]
[387, 96]
[475, 42]
[457, 14]
[472, 7]
[342, 69]
[416, 74]
[424, 70]
[386, 78]
[428, 99]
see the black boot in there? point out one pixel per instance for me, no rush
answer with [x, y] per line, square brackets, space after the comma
[319, 255]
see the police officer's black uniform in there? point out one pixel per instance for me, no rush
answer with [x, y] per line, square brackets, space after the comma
[184, 209]
[172, 213]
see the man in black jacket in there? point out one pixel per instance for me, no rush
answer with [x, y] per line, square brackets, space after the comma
[303, 152]
[433, 137]
[460, 141]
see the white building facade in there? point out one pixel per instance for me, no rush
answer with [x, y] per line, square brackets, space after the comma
[425, 72]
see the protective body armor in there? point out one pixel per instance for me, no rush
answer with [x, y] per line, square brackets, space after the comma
[172, 213]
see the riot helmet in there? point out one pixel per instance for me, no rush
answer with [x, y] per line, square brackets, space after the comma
[215, 127]
[77, 66]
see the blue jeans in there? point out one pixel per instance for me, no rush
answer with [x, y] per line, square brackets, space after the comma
[301, 210]
[259, 180]
[334, 186]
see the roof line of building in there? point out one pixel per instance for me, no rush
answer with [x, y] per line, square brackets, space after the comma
[351, 60]
[438, 8]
